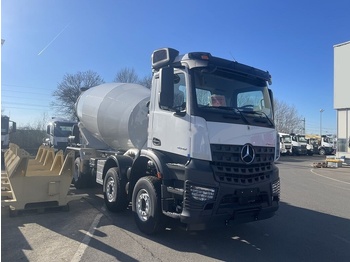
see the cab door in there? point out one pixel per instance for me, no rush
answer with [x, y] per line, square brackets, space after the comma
[170, 126]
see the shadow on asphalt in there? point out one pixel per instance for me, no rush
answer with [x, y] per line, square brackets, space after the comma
[296, 159]
[293, 234]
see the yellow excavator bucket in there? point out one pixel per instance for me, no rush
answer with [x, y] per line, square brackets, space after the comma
[43, 181]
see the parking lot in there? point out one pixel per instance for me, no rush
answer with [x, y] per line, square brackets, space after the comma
[309, 226]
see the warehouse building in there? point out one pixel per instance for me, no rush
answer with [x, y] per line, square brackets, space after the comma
[342, 97]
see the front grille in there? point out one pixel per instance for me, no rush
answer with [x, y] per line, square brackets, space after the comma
[228, 166]
[62, 145]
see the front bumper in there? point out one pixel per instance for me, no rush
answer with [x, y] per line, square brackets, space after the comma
[231, 203]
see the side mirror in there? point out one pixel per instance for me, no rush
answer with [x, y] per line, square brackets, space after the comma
[166, 76]
[14, 127]
[272, 101]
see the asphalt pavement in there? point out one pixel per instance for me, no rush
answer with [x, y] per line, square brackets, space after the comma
[311, 225]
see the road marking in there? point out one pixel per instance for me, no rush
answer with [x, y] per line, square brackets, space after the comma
[341, 238]
[312, 171]
[86, 240]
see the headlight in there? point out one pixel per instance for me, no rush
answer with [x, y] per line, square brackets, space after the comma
[202, 193]
[276, 188]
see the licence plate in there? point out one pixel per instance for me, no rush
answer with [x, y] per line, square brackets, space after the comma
[246, 192]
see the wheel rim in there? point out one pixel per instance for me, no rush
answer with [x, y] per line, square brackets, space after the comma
[143, 205]
[110, 189]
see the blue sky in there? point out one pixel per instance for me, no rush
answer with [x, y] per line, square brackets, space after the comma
[293, 40]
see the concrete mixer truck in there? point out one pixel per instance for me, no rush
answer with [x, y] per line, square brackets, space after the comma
[199, 147]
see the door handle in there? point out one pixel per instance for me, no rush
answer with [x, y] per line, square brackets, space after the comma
[156, 141]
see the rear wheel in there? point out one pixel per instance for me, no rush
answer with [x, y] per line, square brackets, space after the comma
[146, 205]
[79, 178]
[322, 152]
[115, 195]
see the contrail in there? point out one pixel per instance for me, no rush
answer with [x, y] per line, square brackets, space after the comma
[53, 39]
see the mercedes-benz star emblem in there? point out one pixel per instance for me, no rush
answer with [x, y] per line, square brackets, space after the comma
[247, 154]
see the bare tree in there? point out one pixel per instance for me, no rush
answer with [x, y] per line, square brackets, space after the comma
[69, 89]
[40, 123]
[287, 118]
[126, 75]
[146, 81]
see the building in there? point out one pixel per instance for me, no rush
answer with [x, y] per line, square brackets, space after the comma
[342, 97]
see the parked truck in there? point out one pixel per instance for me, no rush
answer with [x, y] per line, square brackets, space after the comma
[199, 147]
[7, 127]
[285, 144]
[323, 145]
[58, 131]
[298, 144]
[312, 145]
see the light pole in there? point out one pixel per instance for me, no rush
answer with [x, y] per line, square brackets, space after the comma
[321, 111]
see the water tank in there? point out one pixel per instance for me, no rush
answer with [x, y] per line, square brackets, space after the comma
[116, 114]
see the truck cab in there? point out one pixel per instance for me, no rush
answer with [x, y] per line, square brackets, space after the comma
[326, 146]
[7, 127]
[323, 145]
[312, 145]
[58, 131]
[285, 144]
[214, 122]
[299, 144]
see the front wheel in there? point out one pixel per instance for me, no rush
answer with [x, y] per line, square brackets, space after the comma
[115, 195]
[322, 152]
[146, 205]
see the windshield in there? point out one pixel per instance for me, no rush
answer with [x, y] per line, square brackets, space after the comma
[4, 125]
[328, 140]
[63, 130]
[220, 91]
[302, 139]
[286, 139]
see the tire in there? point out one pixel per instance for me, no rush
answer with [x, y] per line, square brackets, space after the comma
[146, 205]
[92, 179]
[79, 178]
[322, 152]
[114, 190]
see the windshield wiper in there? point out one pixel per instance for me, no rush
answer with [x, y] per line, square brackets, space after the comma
[230, 109]
[234, 110]
[260, 113]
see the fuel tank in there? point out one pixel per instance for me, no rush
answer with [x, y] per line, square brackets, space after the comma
[116, 114]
